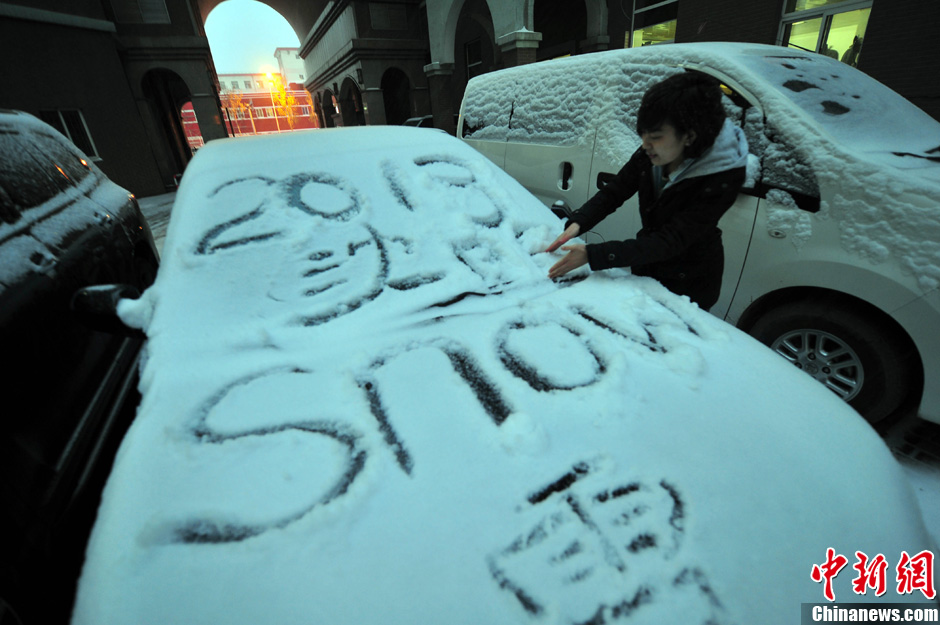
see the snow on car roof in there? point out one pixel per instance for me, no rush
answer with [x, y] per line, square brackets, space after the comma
[364, 401]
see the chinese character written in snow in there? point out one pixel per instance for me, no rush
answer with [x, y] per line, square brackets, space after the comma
[828, 571]
[870, 575]
[916, 573]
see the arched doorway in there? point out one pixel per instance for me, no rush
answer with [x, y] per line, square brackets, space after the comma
[330, 110]
[166, 93]
[350, 104]
[396, 95]
[475, 50]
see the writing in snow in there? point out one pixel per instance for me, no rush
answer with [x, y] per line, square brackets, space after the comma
[913, 573]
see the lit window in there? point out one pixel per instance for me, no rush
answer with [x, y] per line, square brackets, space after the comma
[653, 22]
[835, 28]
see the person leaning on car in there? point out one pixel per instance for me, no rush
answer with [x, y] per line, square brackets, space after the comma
[687, 172]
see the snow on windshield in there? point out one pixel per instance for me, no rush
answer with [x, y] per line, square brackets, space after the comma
[860, 112]
[364, 401]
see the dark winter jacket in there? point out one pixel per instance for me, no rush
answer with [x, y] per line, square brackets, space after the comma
[680, 242]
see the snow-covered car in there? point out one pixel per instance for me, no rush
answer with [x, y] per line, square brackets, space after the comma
[69, 390]
[831, 253]
[365, 402]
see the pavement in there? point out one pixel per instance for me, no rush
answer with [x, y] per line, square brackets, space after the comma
[915, 443]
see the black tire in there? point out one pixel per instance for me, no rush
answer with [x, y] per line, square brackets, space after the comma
[862, 361]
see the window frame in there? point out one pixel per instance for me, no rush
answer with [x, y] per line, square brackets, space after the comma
[826, 13]
[473, 69]
[63, 128]
[651, 7]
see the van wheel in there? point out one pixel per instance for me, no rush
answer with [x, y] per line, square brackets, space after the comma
[854, 357]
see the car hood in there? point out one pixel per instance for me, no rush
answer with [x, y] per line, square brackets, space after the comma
[363, 401]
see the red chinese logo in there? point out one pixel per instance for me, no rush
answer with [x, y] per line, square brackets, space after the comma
[828, 571]
[913, 573]
[916, 573]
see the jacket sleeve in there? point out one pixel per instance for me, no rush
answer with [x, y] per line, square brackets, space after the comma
[703, 201]
[608, 199]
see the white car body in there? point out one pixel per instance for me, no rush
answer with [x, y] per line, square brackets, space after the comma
[816, 127]
[365, 402]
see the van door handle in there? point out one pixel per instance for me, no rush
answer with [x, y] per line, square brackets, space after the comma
[603, 178]
[566, 171]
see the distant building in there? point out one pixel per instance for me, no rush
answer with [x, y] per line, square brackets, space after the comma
[290, 65]
[250, 106]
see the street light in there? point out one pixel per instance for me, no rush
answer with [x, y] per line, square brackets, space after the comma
[270, 76]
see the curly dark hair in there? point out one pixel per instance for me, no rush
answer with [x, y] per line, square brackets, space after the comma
[687, 101]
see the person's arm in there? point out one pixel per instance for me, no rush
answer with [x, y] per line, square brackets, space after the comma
[612, 196]
[695, 219]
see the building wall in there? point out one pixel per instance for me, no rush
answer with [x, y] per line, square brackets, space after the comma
[902, 50]
[97, 87]
[901, 46]
[128, 79]
[349, 51]
[290, 65]
[728, 20]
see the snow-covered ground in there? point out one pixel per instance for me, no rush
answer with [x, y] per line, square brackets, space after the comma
[364, 401]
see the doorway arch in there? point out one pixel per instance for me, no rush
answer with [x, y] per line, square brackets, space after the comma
[396, 92]
[350, 104]
[166, 93]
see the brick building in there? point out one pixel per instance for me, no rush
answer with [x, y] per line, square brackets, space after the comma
[254, 104]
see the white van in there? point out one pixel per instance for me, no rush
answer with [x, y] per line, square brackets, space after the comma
[831, 253]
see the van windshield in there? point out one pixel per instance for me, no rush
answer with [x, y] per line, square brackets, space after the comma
[858, 111]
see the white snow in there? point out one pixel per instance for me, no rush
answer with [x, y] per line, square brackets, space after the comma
[364, 402]
[785, 216]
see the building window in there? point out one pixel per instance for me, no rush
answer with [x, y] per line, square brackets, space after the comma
[835, 28]
[247, 84]
[654, 22]
[71, 123]
[140, 11]
[473, 51]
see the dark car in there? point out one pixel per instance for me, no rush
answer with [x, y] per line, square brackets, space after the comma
[70, 390]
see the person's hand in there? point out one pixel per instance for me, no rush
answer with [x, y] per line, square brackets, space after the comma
[570, 232]
[576, 257]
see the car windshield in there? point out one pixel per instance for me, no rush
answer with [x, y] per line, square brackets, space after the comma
[855, 109]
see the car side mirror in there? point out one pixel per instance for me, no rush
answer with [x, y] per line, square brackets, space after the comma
[96, 307]
[562, 210]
